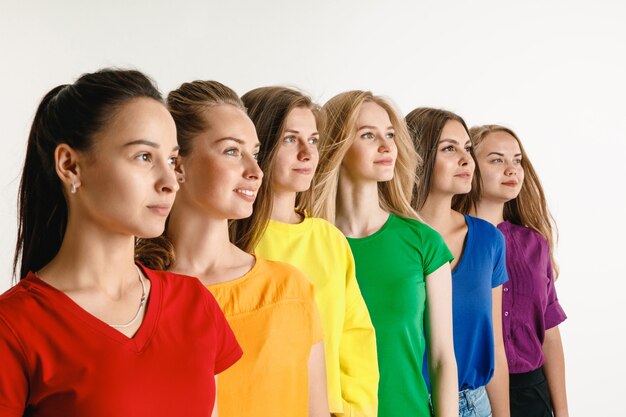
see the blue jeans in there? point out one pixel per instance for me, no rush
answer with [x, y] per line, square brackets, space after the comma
[474, 403]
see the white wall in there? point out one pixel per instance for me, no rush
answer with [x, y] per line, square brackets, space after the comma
[554, 71]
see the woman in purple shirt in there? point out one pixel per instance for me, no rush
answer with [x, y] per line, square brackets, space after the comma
[512, 198]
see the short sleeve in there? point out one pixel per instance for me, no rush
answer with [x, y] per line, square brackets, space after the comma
[13, 375]
[554, 314]
[499, 276]
[435, 252]
[227, 350]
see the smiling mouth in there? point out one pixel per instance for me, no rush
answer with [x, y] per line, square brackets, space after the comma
[248, 193]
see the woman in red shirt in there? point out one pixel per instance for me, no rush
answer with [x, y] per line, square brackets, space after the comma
[87, 331]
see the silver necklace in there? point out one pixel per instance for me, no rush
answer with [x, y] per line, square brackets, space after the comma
[141, 303]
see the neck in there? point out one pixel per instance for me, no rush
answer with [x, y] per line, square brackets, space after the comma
[491, 211]
[437, 211]
[358, 208]
[91, 257]
[283, 208]
[202, 245]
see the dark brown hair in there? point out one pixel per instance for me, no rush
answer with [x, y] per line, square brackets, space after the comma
[425, 126]
[68, 114]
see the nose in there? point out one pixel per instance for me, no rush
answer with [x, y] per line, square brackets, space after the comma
[510, 169]
[384, 145]
[252, 171]
[167, 182]
[304, 153]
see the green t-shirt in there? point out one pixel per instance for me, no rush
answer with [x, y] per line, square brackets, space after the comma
[391, 265]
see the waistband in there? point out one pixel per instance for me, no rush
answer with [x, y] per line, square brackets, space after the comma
[526, 379]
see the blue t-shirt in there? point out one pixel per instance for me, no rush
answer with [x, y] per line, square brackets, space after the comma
[481, 268]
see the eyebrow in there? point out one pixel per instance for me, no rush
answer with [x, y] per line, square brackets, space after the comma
[374, 127]
[148, 143]
[298, 132]
[501, 154]
[239, 141]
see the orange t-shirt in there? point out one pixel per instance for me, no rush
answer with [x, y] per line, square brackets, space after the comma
[273, 314]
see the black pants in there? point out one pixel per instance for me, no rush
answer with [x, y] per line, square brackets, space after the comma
[529, 395]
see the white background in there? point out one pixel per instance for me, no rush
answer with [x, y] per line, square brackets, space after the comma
[552, 70]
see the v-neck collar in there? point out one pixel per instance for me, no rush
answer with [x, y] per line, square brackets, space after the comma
[466, 245]
[142, 336]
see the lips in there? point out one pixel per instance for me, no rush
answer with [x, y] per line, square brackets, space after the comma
[247, 193]
[303, 171]
[510, 183]
[162, 209]
[385, 161]
[466, 175]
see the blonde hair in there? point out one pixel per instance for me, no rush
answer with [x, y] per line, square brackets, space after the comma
[268, 107]
[340, 115]
[188, 105]
[529, 208]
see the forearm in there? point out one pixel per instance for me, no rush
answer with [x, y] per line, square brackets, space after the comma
[554, 368]
[498, 387]
[445, 394]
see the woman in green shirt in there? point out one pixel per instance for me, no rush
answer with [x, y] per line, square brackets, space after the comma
[366, 176]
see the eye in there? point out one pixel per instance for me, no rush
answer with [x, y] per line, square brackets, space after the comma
[232, 152]
[144, 156]
[367, 135]
[469, 148]
[448, 148]
[256, 156]
[173, 160]
[497, 161]
[518, 161]
[390, 135]
[313, 140]
[289, 139]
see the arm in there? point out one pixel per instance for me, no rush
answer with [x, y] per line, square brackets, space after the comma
[441, 361]
[498, 387]
[214, 413]
[554, 368]
[318, 395]
[357, 352]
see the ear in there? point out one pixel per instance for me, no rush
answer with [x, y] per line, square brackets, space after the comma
[180, 170]
[67, 167]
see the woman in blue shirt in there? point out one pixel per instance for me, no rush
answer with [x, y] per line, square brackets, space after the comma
[442, 140]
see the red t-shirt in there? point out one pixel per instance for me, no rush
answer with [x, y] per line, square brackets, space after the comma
[58, 360]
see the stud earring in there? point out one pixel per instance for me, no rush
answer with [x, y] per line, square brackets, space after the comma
[73, 189]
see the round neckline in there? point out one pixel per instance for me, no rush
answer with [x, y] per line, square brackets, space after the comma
[302, 227]
[237, 281]
[376, 233]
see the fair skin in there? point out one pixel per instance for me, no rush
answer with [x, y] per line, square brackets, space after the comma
[295, 163]
[500, 160]
[125, 188]
[370, 160]
[453, 172]
[220, 181]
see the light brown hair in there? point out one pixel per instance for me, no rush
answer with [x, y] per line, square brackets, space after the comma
[268, 107]
[529, 208]
[188, 105]
[340, 115]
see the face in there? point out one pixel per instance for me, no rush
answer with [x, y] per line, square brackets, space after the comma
[454, 166]
[500, 161]
[372, 155]
[127, 181]
[297, 156]
[221, 174]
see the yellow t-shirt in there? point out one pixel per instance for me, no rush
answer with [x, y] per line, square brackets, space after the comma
[322, 252]
[273, 314]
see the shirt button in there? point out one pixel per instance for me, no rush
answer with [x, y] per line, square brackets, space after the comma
[505, 289]
[506, 314]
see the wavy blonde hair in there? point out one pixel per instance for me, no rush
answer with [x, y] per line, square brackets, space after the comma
[338, 133]
[529, 208]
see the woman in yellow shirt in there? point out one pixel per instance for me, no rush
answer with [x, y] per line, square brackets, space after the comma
[269, 305]
[286, 123]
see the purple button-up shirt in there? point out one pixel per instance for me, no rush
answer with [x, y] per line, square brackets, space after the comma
[529, 302]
